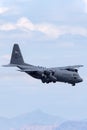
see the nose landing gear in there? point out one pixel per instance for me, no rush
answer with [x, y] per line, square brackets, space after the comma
[73, 84]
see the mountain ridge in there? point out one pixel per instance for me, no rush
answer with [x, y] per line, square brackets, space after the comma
[36, 117]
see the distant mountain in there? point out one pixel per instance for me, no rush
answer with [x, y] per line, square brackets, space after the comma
[34, 118]
[40, 120]
[73, 125]
[37, 118]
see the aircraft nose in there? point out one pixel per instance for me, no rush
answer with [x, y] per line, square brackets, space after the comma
[80, 80]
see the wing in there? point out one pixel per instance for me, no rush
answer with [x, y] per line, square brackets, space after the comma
[72, 68]
[25, 68]
[29, 70]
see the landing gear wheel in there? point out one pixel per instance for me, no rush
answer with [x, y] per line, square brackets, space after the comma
[54, 81]
[73, 84]
[43, 81]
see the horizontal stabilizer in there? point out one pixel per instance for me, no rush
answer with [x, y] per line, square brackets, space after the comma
[29, 69]
[10, 65]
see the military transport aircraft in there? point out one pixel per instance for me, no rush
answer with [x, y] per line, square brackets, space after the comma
[67, 74]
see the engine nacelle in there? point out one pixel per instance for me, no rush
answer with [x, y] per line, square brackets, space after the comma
[71, 69]
[48, 76]
[46, 72]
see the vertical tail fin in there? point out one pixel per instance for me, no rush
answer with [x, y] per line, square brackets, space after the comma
[16, 57]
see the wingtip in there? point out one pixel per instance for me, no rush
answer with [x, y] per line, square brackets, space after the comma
[81, 65]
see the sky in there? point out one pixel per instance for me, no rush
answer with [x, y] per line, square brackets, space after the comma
[50, 33]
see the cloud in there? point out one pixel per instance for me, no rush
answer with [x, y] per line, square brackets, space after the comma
[26, 24]
[48, 29]
[45, 28]
[74, 30]
[7, 27]
[3, 10]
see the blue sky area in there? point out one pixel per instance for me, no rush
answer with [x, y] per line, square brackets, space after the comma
[50, 33]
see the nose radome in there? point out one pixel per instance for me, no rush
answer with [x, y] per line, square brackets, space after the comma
[80, 80]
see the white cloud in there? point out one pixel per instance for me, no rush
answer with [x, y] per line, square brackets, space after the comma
[26, 24]
[7, 27]
[49, 30]
[3, 10]
[74, 30]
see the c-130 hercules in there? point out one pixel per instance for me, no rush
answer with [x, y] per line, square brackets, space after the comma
[67, 74]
